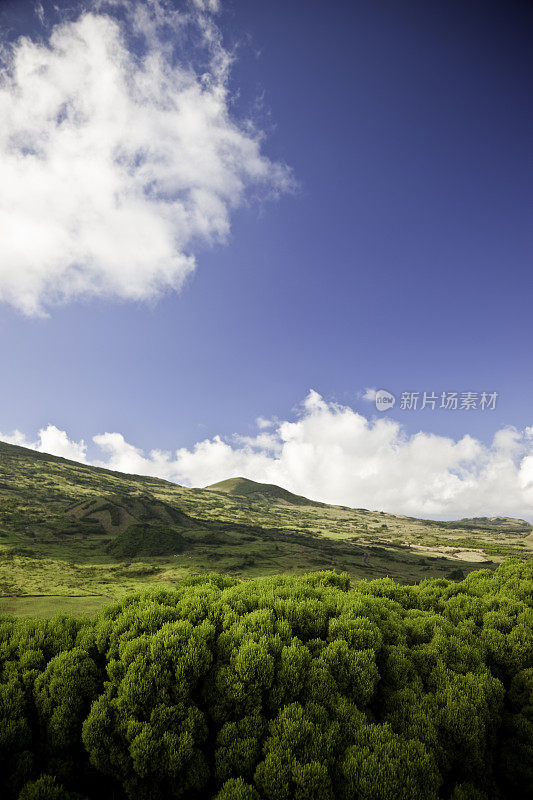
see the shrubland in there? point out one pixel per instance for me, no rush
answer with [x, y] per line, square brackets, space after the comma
[278, 688]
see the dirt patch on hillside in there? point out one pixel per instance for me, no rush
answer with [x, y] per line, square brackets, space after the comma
[455, 553]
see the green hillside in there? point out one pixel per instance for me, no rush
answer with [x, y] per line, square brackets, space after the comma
[140, 540]
[243, 487]
[68, 530]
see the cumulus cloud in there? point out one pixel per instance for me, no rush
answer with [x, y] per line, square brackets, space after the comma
[50, 440]
[119, 154]
[334, 454]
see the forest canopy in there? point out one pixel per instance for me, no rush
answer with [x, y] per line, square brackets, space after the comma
[277, 688]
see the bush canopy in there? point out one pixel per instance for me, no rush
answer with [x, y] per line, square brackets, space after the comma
[278, 688]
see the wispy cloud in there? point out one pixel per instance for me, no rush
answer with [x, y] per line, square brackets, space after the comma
[369, 394]
[332, 453]
[118, 156]
[39, 11]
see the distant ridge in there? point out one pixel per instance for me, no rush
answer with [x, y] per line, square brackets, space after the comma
[244, 487]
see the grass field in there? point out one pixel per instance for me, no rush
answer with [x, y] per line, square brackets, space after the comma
[67, 530]
[49, 606]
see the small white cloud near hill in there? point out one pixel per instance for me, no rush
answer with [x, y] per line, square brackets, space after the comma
[50, 440]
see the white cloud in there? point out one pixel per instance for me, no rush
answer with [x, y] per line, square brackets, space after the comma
[332, 453]
[207, 5]
[263, 423]
[50, 440]
[369, 394]
[117, 161]
[39, 11]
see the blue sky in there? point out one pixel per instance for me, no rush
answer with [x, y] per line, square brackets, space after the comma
[399, 259]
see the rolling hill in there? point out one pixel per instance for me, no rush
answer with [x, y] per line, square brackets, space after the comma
[70, 530]
[243, 487]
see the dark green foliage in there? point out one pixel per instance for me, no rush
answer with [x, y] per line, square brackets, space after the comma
[237, 789]
[46, 788]
[382, 764]
[277, 689]
[146, 540]
[63, 694]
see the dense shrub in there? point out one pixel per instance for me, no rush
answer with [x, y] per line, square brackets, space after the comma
[277, 689]
[141, 540]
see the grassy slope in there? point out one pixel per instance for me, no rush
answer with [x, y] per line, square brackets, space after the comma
[244, 487]
[58, 520]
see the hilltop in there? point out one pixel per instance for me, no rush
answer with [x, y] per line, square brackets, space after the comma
[73, 534]
[244, 487]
